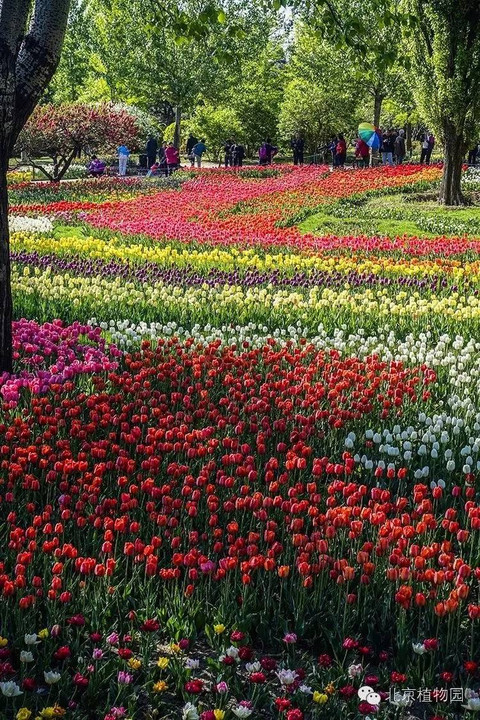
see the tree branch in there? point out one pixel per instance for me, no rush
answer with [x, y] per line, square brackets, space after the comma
[41, 168]
[39, 54]
[13, 21]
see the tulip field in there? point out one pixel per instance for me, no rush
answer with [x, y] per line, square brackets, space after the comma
[240, 460]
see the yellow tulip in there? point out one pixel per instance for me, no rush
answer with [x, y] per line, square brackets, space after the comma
[160, 686]
[23, 714]
[319, 698]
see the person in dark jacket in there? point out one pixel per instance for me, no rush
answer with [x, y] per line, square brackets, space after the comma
[387, 149]
[340, 152]
[332, 149]
[227, 149]
[472, 155]
[399, 147]
[238, 154]
[191, 142]
[266, 152]
[297, 144]
[431, 145]
[152, 147]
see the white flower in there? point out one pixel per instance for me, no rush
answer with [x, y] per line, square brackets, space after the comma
[26, 656]
[241, 711]
[10, 689]
[473, 704]
[253, 667]
[192, 664]
[51, 677]
[401, 700]
[355, 671]
[232, 652]
[190, 712]
[305, 689]
[286, 677]
[21, 223]
[418, 648]
[31, 639]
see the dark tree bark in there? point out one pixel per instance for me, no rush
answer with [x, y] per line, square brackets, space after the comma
[378, 98]
[28, 59]
[178, 120]
[454, 150]
[409, 138]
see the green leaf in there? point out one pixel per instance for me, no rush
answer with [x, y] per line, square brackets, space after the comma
[221, 17]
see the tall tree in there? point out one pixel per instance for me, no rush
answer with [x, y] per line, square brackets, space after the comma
[446, 49]
[75, 65]
[321, 95]
[31, 40]
[368, 33]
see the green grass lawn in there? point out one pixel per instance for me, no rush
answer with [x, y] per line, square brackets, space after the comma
[393, 215]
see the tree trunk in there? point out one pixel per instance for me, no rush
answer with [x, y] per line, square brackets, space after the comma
[377, 107]
[31, 39]
[454, 149]
[5, 289]
[409, 138]
[178, 120]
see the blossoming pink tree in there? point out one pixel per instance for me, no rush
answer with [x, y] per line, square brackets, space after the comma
[31, 38]
[62, 131]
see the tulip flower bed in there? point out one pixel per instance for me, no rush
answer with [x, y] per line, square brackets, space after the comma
[239, 462]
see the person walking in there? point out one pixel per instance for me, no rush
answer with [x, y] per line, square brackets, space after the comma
[191, 142]
[387, 148]
[399, 147]
[198, 151]
[362, 153]
[332, 148]
[123, 153]
[297, 144]
[238, 154]
[340, 151]
[424, 146]
[227, 150]
[172, 157]
[472, 155]
[265, 153]
[152, 147]
[431, 145]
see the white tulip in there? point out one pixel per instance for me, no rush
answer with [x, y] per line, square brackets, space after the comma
[51, 677]
[10, 689]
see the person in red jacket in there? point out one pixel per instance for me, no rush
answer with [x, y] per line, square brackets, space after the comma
[341, 151]
[362, 152]
[172, 157]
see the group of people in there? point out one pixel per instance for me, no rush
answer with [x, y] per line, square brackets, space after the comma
[163, 159]
[428, 143]
[393, 149]
[195, 149]
[234, 153]
[338, 150]
[297, 145]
